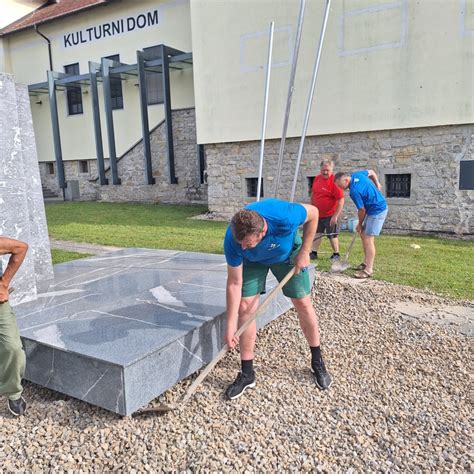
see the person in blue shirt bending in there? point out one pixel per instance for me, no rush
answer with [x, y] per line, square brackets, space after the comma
[364, 189]
[264, 236]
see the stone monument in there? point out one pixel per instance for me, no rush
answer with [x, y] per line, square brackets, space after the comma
[22, 213]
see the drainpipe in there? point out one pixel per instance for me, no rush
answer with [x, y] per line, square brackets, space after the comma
[49, 47]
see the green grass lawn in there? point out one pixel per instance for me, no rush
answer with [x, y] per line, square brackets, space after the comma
[61, 256]
[442, 265]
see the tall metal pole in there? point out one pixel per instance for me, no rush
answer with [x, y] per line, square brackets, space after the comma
[265, 107]
[290, 96]
[310, 100]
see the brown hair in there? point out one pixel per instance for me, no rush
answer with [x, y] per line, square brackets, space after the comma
[341, 175]
[246, 222]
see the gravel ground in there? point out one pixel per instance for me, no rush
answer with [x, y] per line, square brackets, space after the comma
[399, 402]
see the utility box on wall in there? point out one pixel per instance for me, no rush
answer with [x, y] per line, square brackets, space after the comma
[71, 192]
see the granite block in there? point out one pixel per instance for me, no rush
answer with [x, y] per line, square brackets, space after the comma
[119, 329]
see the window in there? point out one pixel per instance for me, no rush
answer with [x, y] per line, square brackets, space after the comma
[398, 185]
[466, 174]
[252, 185]
[74, 95]
[116, 93]
[310, 183]
[50, 168]
[154, 88]
[83, 166]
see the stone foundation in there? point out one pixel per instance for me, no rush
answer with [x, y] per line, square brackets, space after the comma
[131, 170]
[431, 155]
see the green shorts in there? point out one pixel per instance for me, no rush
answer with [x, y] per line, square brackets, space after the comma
[255, 276]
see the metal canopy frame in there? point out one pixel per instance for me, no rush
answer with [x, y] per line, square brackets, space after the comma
[159, 59]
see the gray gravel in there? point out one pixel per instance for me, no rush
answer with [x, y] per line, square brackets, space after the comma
[400, 402]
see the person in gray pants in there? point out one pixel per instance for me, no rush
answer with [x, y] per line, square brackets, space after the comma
[12, 356]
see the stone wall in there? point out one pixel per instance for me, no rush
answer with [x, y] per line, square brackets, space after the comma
[131, 170]
[22, 214]
[430, 155]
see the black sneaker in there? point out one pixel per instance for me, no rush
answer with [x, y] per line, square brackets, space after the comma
[242, 383]
[313, 255]
[321, 376]
[17, 407]
[334, 257]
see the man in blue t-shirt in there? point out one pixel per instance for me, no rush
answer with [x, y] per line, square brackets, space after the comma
[364, 189]
[262, 237]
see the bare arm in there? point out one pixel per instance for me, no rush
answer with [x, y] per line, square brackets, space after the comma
[374, 178]
[233, 296]
[339, 207]
[309, 230]
[17, 250]
[360, 214]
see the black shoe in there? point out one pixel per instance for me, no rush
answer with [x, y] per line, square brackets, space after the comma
[17, 407]
[313, 255]
[334, 257]
[242, 383]
[321, 376]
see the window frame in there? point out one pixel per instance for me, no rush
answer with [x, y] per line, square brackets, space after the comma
[160, 95]
[80, 164]
[116, 89]
[390, 192]
[73, 93]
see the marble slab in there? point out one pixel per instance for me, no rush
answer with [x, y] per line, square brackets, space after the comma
[119, 329]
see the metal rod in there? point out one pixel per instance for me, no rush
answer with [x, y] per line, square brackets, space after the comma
[99, 147]
[168, 113]
[109, 118]
[265, 108]
[149, 179]
[53, 107]
[310, 100]
[290, 96]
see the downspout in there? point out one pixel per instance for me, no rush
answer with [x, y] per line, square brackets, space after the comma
[49, 47]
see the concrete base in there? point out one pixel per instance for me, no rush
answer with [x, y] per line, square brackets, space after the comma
[119, 329]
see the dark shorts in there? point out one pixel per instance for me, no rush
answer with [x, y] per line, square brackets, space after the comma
[325, 228]
[255, 276]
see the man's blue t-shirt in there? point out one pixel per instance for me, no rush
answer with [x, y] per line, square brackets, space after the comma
[365, 194]
[283, 219]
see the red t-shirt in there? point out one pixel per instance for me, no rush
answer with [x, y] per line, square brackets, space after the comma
[325, 194]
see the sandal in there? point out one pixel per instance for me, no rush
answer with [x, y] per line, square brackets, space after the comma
[362, 274]
[362, 266]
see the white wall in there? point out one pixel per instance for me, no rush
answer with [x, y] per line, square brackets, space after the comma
[385, 64]
[29, 62]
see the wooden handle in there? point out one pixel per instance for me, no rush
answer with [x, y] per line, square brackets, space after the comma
[242, 328]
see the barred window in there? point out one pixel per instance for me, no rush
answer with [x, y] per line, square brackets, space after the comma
[398, 185]
[50, 167]
[252, 187]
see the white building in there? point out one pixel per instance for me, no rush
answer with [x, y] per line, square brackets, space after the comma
[394, 93]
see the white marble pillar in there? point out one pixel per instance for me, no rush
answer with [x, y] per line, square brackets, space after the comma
[22, 214]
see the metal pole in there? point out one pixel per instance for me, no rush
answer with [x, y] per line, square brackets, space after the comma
[149, 179]
[290, 96]
[99, 147]
[310, 100]
[53, 107]
[168, 113]
[265, 107]
[107, 64]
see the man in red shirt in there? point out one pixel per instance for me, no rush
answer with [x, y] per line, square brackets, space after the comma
[329, 199]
